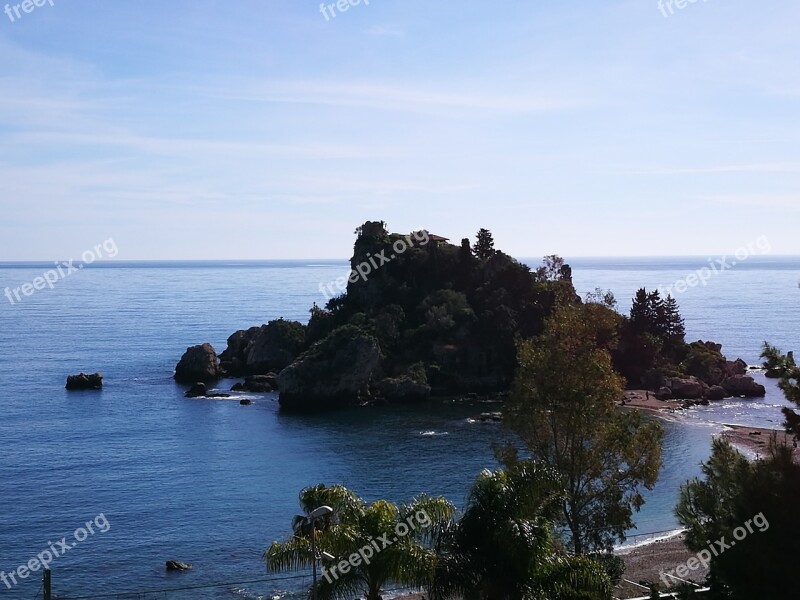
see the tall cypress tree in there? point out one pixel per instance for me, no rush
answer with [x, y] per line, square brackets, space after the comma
[484, 246]
[674, 322]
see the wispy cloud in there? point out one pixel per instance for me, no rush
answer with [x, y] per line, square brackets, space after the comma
[414, 98]
[386, 31]
[783, 201]
[715, 169]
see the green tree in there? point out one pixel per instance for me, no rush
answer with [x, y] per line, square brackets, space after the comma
[484, 245]
[553, 269]
[563, 406]
[673, 322]
[601, 296]
[785, 367]
[746, 512]
[776, 363]
[503, 546]
[354, 525]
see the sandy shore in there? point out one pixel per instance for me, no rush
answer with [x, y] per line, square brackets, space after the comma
[645, 563]
[755, 440]
[647, 401]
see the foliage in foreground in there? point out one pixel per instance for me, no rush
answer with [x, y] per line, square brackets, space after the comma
[563, 406]
[503, 545]
[732, 493]
[354, 525]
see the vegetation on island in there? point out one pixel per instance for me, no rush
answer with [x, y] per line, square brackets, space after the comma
[421, 317]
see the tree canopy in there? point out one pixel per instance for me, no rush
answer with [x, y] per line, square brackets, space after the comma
[563, 406]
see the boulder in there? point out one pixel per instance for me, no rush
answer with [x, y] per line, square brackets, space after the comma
[261, 350]
[736, 367]
[716, 392]
[199, 390]
[176, 565]
[664, 393]
[685, 389]
[85, 382]
[333, 373]
[245, 402]
[199, 363]
[259, 384]
[742, 385]
[490, 417]
[402, 389]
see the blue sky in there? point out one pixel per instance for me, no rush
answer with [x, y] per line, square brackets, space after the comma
[201, 129]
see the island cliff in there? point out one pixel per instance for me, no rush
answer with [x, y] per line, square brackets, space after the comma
[421, 317]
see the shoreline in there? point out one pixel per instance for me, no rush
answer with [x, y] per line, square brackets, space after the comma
[754, 441]
[646, 401]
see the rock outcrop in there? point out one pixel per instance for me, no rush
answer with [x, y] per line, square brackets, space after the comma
[85, 382]
[690, 388]
[742, 385]
[199, 390]
[259, 384]
[333, 373]
[198, 363]
[402, 389]
[716, 392]
[176, 565]
[260, 350]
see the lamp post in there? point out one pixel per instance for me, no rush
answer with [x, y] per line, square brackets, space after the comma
[317, 513]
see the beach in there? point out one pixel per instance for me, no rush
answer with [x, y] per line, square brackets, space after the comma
[754, 441]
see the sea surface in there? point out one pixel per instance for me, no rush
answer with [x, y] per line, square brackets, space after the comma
[211, 482]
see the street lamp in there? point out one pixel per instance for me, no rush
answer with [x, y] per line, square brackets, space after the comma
[317, 513]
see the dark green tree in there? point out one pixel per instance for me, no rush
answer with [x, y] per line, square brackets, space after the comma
[776, 363]
[503, 546]
[673, 322]
[743, 516]
[484, 245]
[785, 367]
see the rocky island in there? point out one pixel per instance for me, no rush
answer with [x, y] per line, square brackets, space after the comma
[420, 317]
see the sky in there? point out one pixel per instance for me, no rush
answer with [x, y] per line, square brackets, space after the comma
[265, 129]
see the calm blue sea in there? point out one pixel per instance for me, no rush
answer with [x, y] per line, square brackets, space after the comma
[213, 483]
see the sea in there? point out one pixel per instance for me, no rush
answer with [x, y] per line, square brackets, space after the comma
[159, 477]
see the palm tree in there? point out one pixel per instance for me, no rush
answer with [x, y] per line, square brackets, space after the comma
[376, 530]
[503, 546]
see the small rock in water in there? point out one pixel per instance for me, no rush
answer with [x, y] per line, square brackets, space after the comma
[85, 382]
[198, 390]
[245, 402]
[176, 565]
